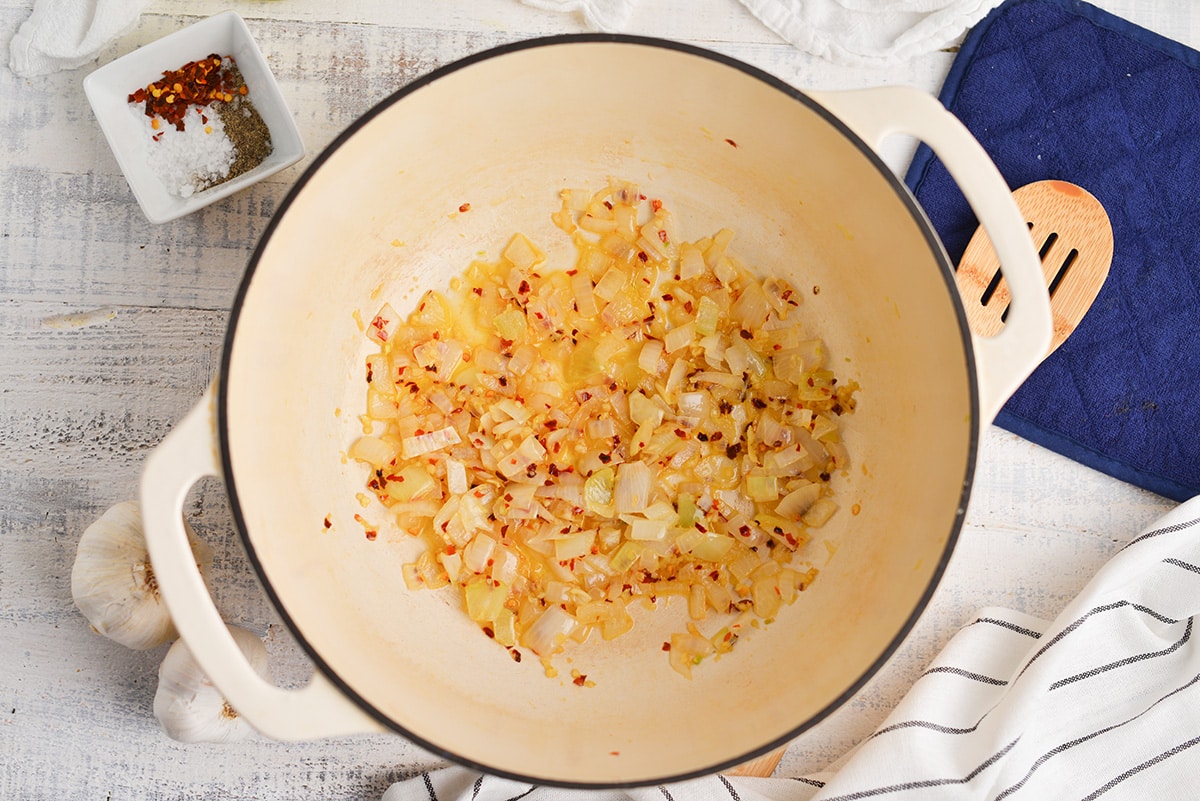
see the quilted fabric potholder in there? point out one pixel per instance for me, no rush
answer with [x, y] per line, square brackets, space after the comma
[1062, 89]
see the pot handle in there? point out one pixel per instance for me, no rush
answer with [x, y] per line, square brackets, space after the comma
[1006, 359]
[318, 709]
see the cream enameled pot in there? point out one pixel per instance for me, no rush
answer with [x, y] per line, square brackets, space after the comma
[375, 218]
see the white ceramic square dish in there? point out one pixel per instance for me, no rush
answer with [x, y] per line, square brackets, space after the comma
[109, 87]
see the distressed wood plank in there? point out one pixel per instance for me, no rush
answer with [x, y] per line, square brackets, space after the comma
[79, 408]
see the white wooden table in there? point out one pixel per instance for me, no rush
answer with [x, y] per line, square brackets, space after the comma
[111, 328]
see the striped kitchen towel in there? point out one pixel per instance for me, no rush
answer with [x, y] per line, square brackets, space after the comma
[1104, 702]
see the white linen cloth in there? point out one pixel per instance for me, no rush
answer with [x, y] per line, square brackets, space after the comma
[64, 34]
[1104, 702]
[853, 32]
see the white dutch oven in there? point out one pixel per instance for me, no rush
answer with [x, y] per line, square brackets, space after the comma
[808, 198]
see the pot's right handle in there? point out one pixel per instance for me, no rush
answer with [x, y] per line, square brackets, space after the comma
[318, 709]
[1006, 359]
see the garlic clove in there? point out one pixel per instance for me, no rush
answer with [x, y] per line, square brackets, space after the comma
[187, 704]
[112, 581]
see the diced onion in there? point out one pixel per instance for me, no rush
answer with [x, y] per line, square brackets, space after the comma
[610, 284]
[372, 450]
[643, 530]
[644, 411]
[432, 441]
[679, 337]
[820, 512]
[649, 424]
[721, 379]
[549, 631]
[634, 483]
[651, 352]
[478, 552]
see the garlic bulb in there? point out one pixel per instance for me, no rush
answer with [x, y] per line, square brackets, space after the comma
[189, 707]
[113, 583]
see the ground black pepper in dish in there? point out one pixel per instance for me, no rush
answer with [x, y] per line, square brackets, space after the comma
[246, 129]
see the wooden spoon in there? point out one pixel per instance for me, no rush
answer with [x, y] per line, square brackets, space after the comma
[1074, 239]
[762, 766]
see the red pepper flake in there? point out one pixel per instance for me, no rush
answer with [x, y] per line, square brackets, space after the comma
[380, 326]
[464, 208]
[731, 143]
[197, 83]
[662, 234]
[656, 205]
[477, 290]
[328, 522]
[580, 680]
[371, 534]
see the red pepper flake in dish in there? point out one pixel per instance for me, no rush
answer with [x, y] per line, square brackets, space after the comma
[196, 83]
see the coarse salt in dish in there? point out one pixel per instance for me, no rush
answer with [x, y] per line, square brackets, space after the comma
[108, 89]
[188, 160]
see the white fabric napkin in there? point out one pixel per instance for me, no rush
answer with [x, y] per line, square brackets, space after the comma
[1104, 702]
[64, 34]
[853, 32]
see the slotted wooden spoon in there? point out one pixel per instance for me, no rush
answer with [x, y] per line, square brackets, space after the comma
[1074, 239]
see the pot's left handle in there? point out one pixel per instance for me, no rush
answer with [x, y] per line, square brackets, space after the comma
[319, 709]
